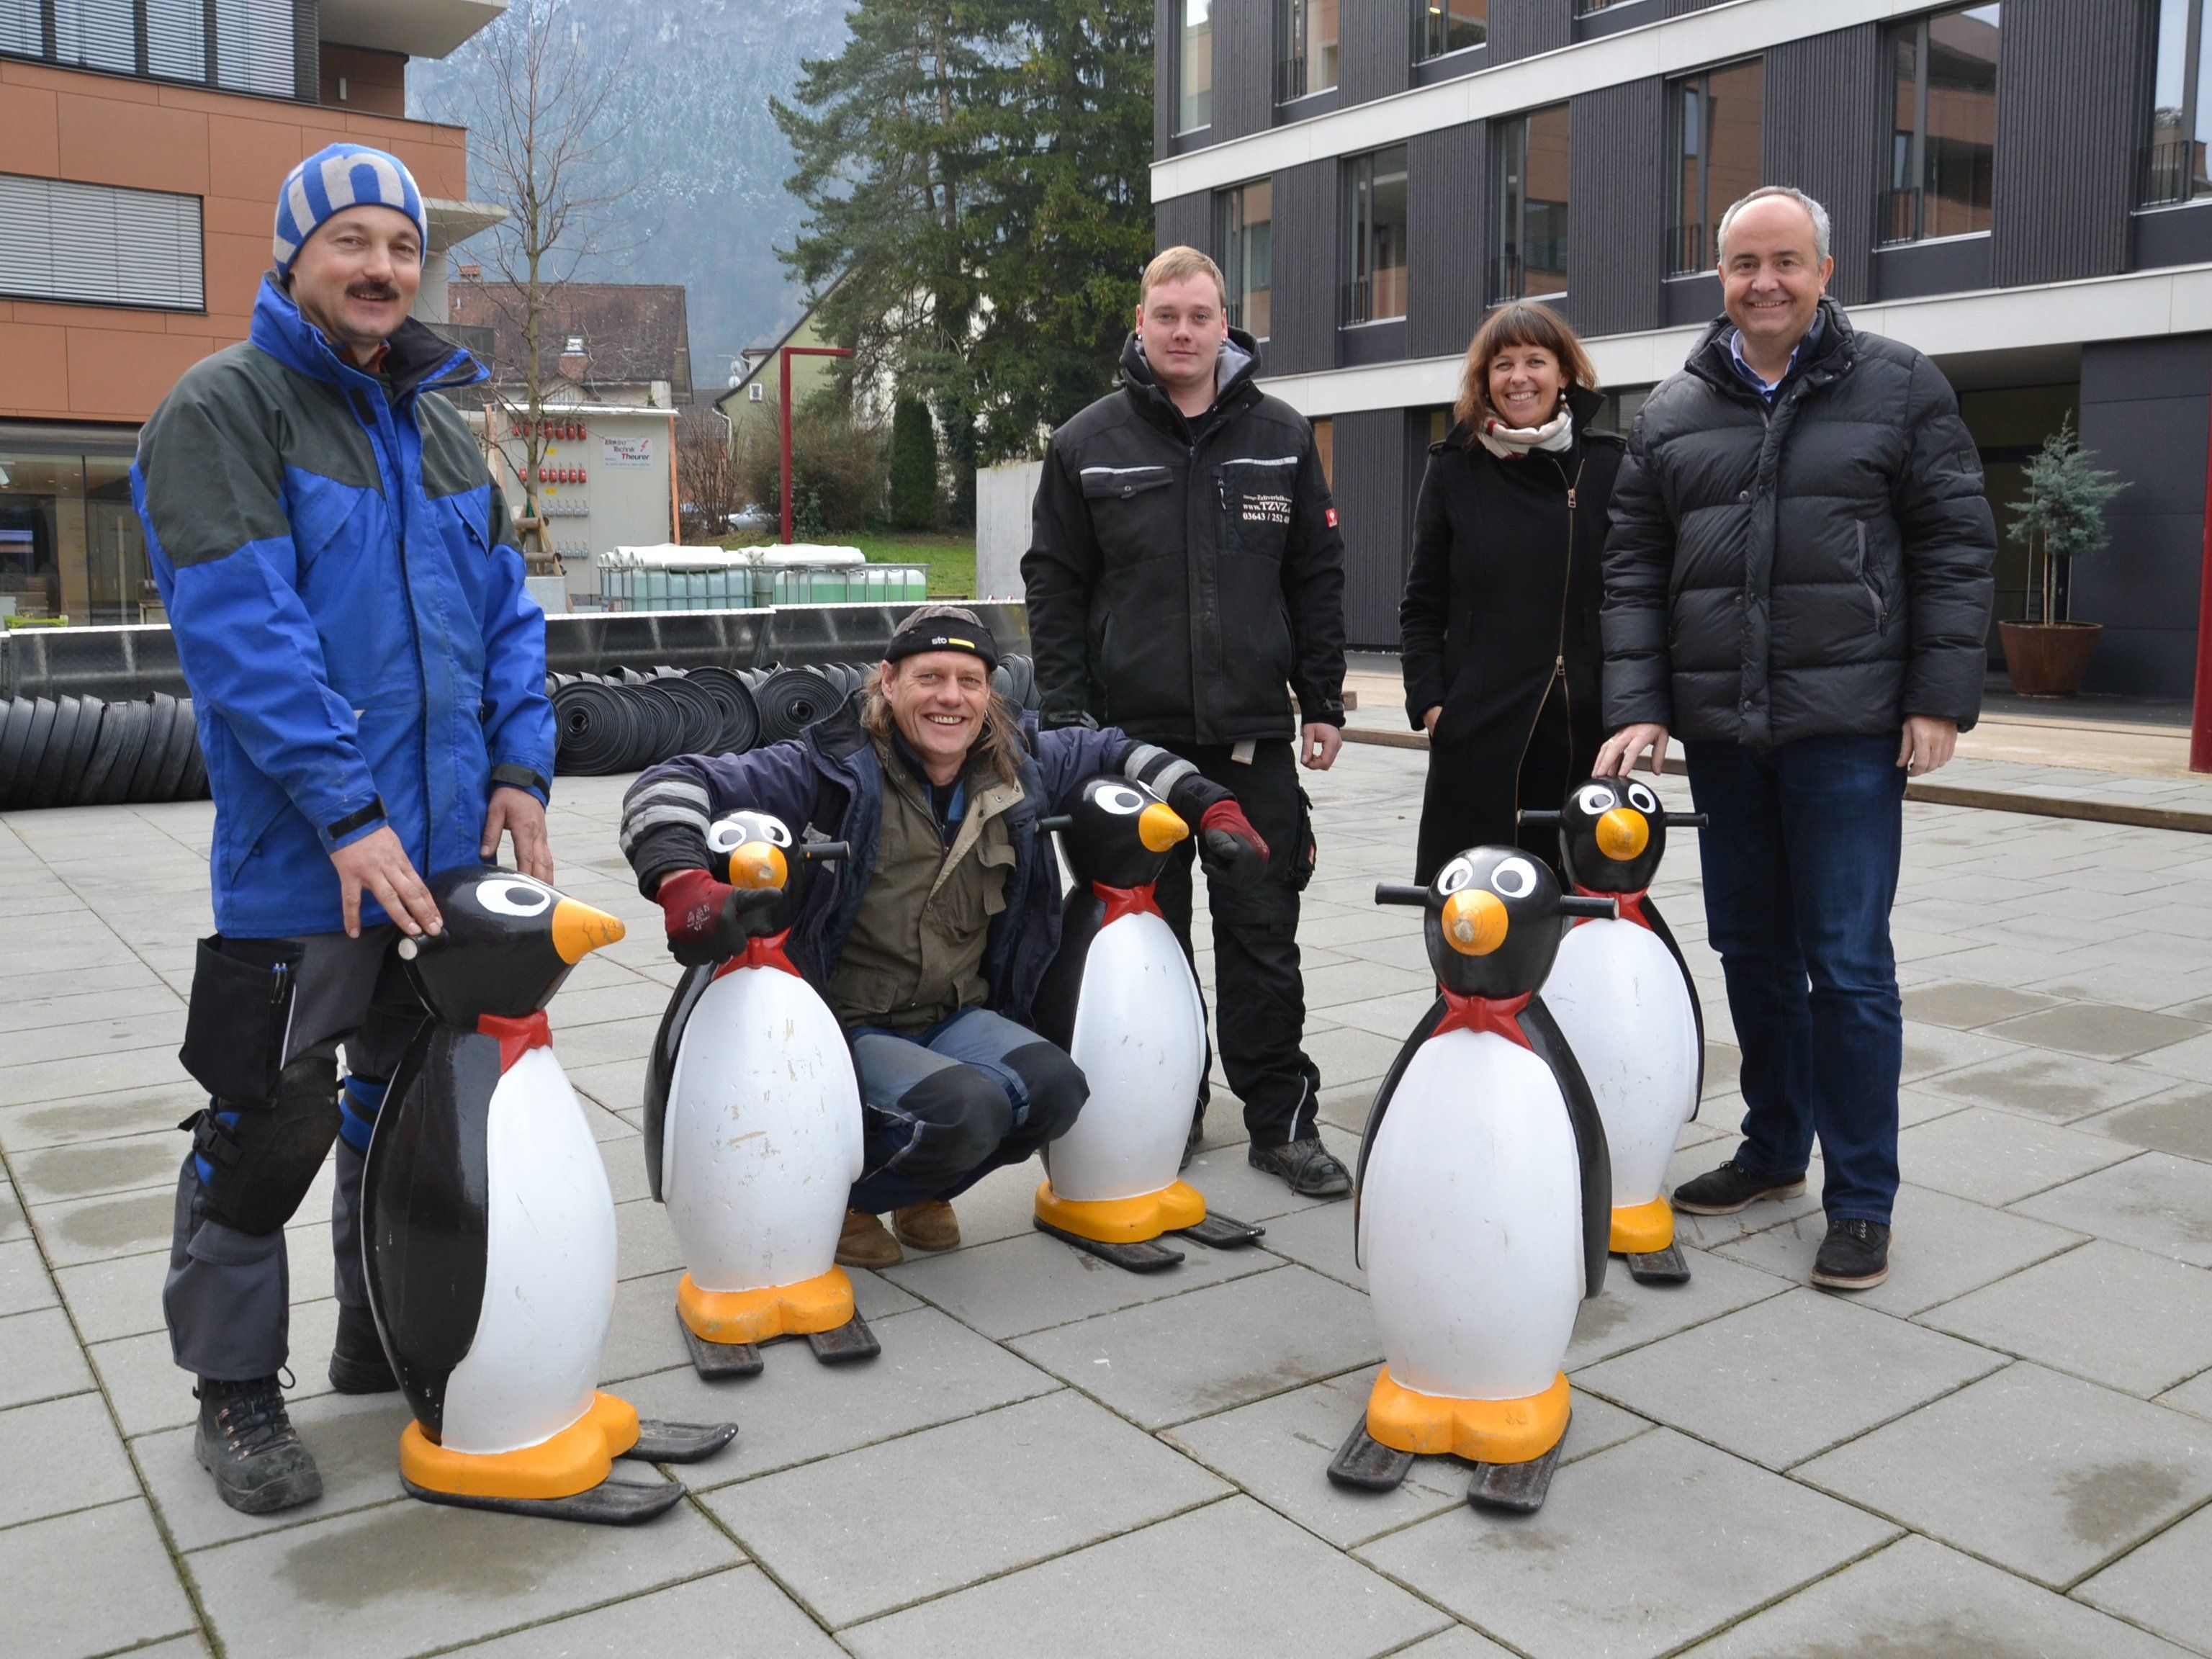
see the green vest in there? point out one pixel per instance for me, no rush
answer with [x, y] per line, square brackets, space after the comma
[916, 953]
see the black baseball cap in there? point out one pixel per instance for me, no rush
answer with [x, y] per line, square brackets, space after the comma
[943, 628]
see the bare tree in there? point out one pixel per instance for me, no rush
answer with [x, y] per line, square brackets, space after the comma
[541, 131]
[707, 472]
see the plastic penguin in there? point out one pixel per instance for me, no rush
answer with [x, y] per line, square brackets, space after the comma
[752, 1134]
[1481, 1205]
[1120, 999]
[1622, 993]
[488, 1230]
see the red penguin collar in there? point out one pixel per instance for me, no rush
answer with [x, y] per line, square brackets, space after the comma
[517, 1037]
[762, 950]
[1125, 902]
[1631, 904]
[1498, 1014]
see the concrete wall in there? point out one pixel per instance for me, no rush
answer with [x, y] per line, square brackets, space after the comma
[1003, 495]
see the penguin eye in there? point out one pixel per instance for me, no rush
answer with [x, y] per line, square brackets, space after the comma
[1593, 799]
[772, 832]
[1515, 878]
[514, 896]
[1120, 799]
[1642, 798]
[1454, 876]
[727, 834]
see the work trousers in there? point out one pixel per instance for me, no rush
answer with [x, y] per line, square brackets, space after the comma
[1260, 996]
[1801, 861]
[228, 1297]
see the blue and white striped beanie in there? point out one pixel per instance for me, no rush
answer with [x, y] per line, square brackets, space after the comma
[343, 176]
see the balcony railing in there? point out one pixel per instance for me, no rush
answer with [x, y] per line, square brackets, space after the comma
[1513, 277]
[2174, 170]
[1378, 299]
[1687, 251]
[1302, 78]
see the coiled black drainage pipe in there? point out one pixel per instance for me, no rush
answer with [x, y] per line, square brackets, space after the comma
[80, 751]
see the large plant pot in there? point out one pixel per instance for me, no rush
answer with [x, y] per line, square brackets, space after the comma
[2049, 659]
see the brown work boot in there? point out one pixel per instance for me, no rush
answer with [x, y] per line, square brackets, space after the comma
[866, 1242]
[928, 1225]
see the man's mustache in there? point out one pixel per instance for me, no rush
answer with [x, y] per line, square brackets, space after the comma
[372, 291]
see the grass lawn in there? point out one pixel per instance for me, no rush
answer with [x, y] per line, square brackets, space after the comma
[950, 559]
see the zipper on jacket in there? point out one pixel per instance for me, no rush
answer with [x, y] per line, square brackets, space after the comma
[1560, 657]
[1866, 580]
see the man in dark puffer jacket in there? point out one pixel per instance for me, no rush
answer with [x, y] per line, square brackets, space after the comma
[1799, 570]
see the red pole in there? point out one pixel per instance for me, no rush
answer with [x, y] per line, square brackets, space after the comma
[2200, 720]
[784, 358]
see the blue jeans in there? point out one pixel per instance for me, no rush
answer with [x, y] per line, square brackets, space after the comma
[1801, 868]
[941, 1109]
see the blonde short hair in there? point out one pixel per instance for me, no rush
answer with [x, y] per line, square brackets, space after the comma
[1174, 265]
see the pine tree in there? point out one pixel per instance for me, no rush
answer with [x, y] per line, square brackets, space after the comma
[2063, 509]
[913, 467]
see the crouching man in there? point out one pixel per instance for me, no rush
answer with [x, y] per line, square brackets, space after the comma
[930, 940]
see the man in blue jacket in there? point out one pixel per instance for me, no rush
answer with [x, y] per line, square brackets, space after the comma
[367, 669]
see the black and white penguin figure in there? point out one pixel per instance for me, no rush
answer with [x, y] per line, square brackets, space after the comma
[488, 1229]
[1623, 996]
[752, 1132]
[1481, 1205]
[1119, 997]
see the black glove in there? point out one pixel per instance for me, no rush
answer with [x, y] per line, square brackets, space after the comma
[708, 921]
[1229, 848]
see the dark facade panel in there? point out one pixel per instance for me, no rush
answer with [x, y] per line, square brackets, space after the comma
[1447, 176]
[1679, 8]
[1826, 109]
[1616, 207]
[1243, 67]
[1370, 503]
[1954, 264]
[1378, 46]
[1305, 262]
[2073, 104]
[1185, 221]
[1522, 28]
[2173, 236]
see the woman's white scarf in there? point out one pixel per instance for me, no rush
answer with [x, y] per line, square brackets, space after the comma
[1507, 441]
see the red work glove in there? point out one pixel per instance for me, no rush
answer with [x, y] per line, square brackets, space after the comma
[708, 921]
[1229, 846]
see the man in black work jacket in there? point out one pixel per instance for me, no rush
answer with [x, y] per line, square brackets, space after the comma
[1183, 573]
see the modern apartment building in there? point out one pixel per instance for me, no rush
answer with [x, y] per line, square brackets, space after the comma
[2018, 188]
[142, 144]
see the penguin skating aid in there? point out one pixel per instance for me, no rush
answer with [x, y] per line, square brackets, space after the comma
[1120, 999]
[488, 1229]
[753, 1134]
[1480, 1208]
[1623, 995]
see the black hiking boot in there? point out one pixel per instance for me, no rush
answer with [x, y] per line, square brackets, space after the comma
[1854, 1256]
[357, 1362]
[247, 1442]
[1309, 1168]
[1732, 1188]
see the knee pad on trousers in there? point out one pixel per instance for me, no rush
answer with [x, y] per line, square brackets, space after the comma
[961, 1116]
[1055, 1085]
[256, 1159]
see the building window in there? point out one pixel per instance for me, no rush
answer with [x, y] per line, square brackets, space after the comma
[254, 45]
[70, 543]
[1585, 8]
[1243, 231]
[1445, 25]
[1719, 134]
[2181, 110]
[1532, 205]
[1377, 292]
[1196, 66]
[99, 244]
[1943, 138]
[1308, 61]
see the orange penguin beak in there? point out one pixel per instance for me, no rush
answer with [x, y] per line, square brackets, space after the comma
[578, 930]
[1475, 923]
[1159, 828]
[757, 864]
[1623, 833]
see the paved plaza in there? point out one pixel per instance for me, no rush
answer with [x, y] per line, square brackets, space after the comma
[2004, 1451]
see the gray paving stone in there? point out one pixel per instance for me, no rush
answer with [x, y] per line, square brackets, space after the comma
[1391, 1017]
[1940, 1247]
[1966, 1006]
[1457, 1643]
[121, 1296]
[1277, 1450]
[1015, 1285]
[1231, 1578]
[61, 1454]
[24, 1283]
[39, 1358]
[644, 1243]
[2192, 1060]
[131, 1593]
[94, 1228]
[354, 1441]
[2045, 1474]
[1997, 1157]
[1347, 1055]
[931, 1371]
[1319, 1239]
[2155, 1202]
[2097, 1031]
[1167, 1362]
[1036, 1478]
[1788, 1377]
[1915, 1598]
[2128, 1320]
[2163, 1585]
[2178, 1120]
[119, 1112]
[2051, 1085]
[90, 1074]
[1626, 1314]
[1932, 1049]
[13, 1222]
[89, 1168]
[149, 1391]
[409, 1577]
[2194, 1395]
[1364, 982]
[27, 1046]
[738, 1609]
[1642, 1547]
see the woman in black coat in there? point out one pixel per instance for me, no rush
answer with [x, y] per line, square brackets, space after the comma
[1499, 627]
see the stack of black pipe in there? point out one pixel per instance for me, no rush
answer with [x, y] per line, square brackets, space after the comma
[631, 719]
[80, 751]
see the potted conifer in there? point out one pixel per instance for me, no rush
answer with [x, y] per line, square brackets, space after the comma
[2063, 517]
